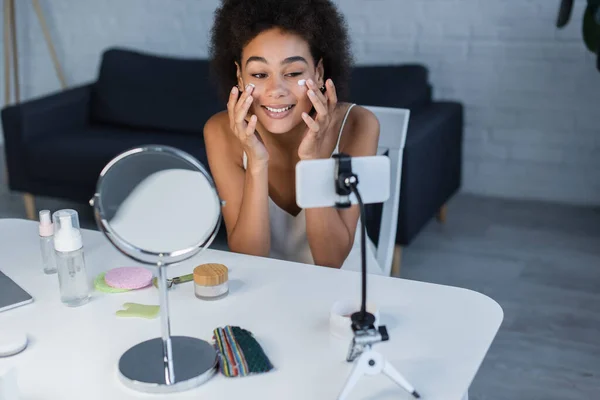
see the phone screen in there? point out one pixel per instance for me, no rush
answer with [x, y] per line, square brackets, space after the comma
[11, 294]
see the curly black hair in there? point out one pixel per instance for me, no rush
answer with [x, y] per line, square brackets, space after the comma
[319, 22]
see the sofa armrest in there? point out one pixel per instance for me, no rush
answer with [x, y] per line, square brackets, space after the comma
[44, 116]
[432, 166]
[47, 115]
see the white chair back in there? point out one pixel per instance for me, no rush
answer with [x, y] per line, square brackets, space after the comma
[393, 125]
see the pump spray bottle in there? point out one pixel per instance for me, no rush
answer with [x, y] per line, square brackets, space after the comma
[70, 261]
[46, 232]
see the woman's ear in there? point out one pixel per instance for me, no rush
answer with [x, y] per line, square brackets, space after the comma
[238, 74]
[320, 74]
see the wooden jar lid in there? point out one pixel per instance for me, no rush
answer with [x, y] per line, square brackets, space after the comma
[210, 274]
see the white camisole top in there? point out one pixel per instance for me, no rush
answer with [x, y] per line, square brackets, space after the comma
[288, 233]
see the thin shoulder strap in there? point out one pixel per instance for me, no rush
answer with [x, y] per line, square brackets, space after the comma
[337, 146]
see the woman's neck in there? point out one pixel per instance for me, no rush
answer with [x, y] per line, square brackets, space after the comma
[287, 142]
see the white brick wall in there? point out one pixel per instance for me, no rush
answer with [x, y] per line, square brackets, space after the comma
[531, 92]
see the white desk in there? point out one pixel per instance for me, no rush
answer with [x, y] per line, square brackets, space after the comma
[439, 335]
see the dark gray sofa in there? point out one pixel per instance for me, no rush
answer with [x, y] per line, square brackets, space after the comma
[56, 145]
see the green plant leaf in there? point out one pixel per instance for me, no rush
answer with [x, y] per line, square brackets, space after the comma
[564, 13]
[591, 29]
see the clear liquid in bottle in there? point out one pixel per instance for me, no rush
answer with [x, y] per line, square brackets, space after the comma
[70, 261]
[72, 278]
[46, 232]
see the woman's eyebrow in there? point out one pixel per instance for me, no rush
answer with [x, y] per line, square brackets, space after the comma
[288, 60]
[256, 58]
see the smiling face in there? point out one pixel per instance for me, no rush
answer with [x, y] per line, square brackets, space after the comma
[274, 62]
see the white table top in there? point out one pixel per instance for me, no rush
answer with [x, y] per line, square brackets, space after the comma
[439, 335]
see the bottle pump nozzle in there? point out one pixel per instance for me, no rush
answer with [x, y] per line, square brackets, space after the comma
[46, 227]
[68, 236]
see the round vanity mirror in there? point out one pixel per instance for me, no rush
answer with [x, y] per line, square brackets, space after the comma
[159, 206]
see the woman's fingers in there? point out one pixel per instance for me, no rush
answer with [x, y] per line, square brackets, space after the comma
[331, 94]
[238, 106]
[317, 90]
[251, 126]
[313, 126]
[242, 112]
[233, 96]
[319, 105]
[242, 100]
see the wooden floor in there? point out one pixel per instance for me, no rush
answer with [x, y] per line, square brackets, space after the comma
[540, 262]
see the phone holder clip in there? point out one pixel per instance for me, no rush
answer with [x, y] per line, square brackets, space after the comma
[344, 179]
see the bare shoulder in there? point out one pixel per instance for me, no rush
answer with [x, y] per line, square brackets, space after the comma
[361, 117]
[361, 132]
[218, 137]
[216, 127]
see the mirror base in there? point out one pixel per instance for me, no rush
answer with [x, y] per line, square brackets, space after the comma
[142, 368]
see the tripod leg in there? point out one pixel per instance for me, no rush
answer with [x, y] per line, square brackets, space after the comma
[393, 374]
[358, 371]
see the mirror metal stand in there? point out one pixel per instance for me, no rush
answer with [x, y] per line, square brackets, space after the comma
[172, 182]
[165, 325]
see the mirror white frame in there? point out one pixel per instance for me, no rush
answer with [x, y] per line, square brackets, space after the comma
[170, 363]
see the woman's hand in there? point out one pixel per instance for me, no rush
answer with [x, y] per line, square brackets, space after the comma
[311, 146]
[237, 108]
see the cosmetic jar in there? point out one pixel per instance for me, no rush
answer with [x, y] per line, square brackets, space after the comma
[211, 281]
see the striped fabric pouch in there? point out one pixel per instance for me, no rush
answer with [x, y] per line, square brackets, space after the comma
[239, 352]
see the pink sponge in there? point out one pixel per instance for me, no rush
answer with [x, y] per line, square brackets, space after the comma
[128, 278]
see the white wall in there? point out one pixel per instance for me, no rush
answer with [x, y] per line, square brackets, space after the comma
[531, 92]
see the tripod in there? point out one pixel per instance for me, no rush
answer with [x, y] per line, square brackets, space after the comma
[370, 362]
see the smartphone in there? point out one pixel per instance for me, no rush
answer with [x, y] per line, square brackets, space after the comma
[11, 294]
[315, 181]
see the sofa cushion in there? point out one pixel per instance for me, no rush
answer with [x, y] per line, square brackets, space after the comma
[78, 157]
[146, 91]
[399, 86]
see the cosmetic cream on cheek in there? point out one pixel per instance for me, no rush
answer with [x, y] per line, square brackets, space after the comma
[302, 82]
